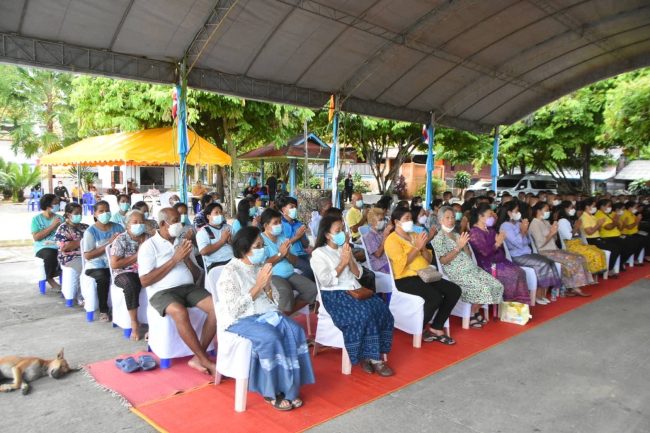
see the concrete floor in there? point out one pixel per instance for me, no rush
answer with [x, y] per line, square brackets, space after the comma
[578, 373]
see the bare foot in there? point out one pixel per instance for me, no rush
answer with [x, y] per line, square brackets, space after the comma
[135, 331]
[196, 364]
[54, 285]
[103, 317]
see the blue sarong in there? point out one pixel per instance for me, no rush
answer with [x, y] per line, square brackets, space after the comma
[280, 361]
[367, 325]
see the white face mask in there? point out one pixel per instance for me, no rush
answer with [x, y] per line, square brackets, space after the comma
[407, 226]
[593, 210]
[446, 229]
[620, 212]
[547, 215]
[516, 216]
[422, 220]
[634, 211]
[557, 202]
[608, 210]
[175, 230]
[381, 225]
[571, 212]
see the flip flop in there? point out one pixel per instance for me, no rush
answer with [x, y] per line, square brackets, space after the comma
[147, 362]
[127, 365]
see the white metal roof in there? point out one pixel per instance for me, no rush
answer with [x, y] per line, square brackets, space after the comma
[639, 169]
[474, 63]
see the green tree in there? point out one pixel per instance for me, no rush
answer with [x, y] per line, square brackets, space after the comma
[16, 177]
[462, 180]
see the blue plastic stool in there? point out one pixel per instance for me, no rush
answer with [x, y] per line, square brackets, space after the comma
[41, 287]
[69, 303]
[90, 316]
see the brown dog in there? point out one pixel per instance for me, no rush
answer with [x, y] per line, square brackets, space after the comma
[25, 370]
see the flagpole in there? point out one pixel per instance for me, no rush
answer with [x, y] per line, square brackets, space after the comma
[181, 90]
[334, 155]
[495, 159]
[431, 130]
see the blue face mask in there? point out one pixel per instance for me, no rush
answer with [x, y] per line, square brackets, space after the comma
[252, 212]
[293, 213]
[257, 257]
[76, 219]
[146, 215]
[104, 218]
[124, 207]
[217, 220]
[276, 230]
[339, 239]
[56, 208]
[137, 229]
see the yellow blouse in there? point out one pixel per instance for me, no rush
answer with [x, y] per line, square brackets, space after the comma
[589, 221]
[397, 249]
[629, 218]
[607, 233]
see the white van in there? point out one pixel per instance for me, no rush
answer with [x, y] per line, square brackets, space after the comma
[531, 182]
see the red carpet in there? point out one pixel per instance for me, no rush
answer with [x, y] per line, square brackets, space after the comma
[211, 408]
[147, 386]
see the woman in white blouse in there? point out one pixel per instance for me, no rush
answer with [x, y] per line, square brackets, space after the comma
[248, 306]
[362, 317]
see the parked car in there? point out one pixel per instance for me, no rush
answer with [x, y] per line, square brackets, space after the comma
[480, 186]
[533, 183]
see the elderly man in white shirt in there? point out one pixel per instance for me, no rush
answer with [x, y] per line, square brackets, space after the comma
[171, 274]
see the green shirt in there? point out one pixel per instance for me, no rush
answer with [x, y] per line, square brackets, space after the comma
[40, 222]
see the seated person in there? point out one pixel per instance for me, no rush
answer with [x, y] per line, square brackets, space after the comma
[461, 221]
[408, 254]
[124, 263]
[518, 245]
[200, 219]
[610, 231]
[124, 202]
[173, 199]
[478, 287]
[374, 240]
[44, 227]
[68, 238]
[356, 216]
[575, 273]
[94, 242]
[295, 231]
[150, 223]
[488, 251]
[246, 216]
[170, 276]
[188, 232]
[568, 228]
[324, 203]
[278, 254]
[630, 221]
[248, 307]
[366, 324]
[214, 238]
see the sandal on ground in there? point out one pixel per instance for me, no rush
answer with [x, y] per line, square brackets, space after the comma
[127, 365]
[581, 293]
[296, 403]
[278, 401]
[366, 365]
[478, 316]
[444, 339]
[103, 317]
[147, 362]
[475, 323]
[382, 369]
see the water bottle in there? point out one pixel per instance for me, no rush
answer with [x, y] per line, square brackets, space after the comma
[554, 293]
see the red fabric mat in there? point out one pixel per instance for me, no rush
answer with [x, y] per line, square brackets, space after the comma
[211, 408]
[146, 386]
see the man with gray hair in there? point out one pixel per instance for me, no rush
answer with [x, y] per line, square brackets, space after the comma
[171, 274]
[324, 203]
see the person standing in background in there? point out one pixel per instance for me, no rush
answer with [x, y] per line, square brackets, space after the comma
[62, 192]
[77, 193]
[348, 188]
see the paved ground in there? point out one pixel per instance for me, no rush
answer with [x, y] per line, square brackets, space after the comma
[584, 372]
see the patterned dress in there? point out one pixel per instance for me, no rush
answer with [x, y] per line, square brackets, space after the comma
[478, 286]
[511, 276]
[69, 233]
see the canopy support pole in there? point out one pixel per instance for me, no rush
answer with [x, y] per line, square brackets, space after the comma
[495, 159]
[334, 157]
[305, 173]
[292, 178]
[325, 184]
[261, 172]
[431, 130]
[181, 91]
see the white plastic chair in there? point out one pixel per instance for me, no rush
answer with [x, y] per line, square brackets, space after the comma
[114, 206]
[327, 334]
[88, 287]
[121, 317]
[233, 351]
[39, 265]
[69, 284]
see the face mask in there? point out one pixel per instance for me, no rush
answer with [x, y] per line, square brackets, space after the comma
[293, 213]
[185, 219]
[646, 202]
[252, 212]
[104, 218]
[446, 229]
[493, 206]
[217, 220]
[56, 208]
[422, 220]
[634, 211]
[489, 221]
[542, 199]
[137, 229]
[458, 216]
[175, 230]
[608, 210]
[620, 212]
[257, 257]
[557, 202]
[516, 216]
[359, 204]
[124, 207]
[260, 209]
[571, 212]
[407, 226]
[276, 230]
[146, 215]
[339, 238]
[593, 210]
[573, 202]
[547, 215]
[381, 225]
[76, 219]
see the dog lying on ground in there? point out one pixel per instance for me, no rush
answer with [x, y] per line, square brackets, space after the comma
[24, 370]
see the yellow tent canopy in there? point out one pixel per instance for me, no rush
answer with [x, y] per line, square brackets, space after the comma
[148, 147]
